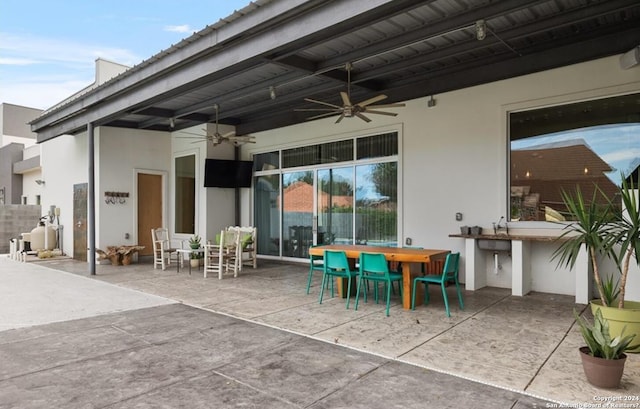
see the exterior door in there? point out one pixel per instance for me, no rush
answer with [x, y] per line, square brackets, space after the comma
[149, 209]
[80, 221]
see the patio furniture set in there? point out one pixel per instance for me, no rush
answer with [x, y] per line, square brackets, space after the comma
[339, 261]
[233, 247]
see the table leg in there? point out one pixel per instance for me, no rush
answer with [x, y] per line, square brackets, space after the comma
[342, 286]
[407, 284]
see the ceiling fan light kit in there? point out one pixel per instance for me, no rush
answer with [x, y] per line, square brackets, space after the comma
[349, 109]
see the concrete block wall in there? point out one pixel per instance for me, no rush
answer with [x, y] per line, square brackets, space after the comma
[16, 219]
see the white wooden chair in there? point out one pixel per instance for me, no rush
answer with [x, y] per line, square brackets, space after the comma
[222, 257]
[247, 245]
[162, 249]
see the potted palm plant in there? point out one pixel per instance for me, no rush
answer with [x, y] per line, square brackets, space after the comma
[606, 231]
[603, 358]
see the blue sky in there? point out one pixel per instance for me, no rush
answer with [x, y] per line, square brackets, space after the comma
[48, 48]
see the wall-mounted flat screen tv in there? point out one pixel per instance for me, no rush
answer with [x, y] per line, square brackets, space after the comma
[227, 173]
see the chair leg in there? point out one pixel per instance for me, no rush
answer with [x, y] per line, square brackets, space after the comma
[446, 301]
[426, 292]
[324, 278]
[309, 279]
[358, 291]
[348, 291]
[413, 295]
[459, 295]
[389, 285]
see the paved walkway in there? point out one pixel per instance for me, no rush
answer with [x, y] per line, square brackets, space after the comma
[154, 353]
[262, 334]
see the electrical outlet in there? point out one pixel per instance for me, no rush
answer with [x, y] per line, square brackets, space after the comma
[459, 217]
[408, 241]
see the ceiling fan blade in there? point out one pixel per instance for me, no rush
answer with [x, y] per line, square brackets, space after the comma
[328, 114]
[372, 100]
[370, 111]
[340, 118]
[316, 109]
[345, 98]
[389, 106]
[242, 139]
[228, 134]
[364, 118]
[322, 103]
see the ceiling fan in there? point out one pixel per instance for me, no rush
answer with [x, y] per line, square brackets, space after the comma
[349, 109]
[217, 138]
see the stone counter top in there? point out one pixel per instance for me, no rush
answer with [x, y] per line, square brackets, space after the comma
[507, 237]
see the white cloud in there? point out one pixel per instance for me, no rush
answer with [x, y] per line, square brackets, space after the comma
[40, 72]
[41, 50]
[179, 29]
[17, 61]
[625, 155]
[43, 93]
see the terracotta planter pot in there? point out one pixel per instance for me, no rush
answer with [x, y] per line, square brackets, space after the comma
[600, 372]
[618, 318]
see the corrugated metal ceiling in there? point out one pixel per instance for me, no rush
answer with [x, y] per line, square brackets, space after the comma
[405, 49]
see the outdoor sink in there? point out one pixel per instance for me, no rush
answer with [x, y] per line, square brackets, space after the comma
[494, 244]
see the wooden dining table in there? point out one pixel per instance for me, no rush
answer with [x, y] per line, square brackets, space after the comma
[398, 254]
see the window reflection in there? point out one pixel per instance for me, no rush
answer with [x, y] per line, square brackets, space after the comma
[581, 145]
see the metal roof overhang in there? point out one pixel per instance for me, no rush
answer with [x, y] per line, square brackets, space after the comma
[404, 49]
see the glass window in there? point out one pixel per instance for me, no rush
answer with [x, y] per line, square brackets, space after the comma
[185, 205]
[335, 205]
[267, 161]
[331, 152]
[580, 145]
[297, 213]
[377, 146]
[377, 204]
[267, 214]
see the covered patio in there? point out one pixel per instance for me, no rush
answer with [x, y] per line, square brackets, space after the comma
[526, 344]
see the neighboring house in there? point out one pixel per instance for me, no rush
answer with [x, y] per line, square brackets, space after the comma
[19, 156]
[443, 161]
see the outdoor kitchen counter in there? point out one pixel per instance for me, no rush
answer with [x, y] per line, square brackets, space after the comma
[476, 263]
[521, 237]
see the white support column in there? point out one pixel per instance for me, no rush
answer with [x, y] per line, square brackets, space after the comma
[475, 273]
[521, 267]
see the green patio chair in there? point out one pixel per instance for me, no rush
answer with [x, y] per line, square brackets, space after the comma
[336, 265]
[316, 263]
[449, 272]
[374, 268]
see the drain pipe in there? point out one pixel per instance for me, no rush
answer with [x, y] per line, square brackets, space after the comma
[496, 263]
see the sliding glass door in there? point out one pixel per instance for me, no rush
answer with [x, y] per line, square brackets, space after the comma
[343, 192]
[335, 206]
[297, 213]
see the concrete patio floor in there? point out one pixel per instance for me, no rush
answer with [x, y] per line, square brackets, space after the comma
[522, 344]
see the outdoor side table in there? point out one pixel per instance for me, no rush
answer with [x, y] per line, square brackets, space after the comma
[184, 252]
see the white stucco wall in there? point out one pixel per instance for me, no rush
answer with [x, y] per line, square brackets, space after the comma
[64, 163]
[454, 156]
[453, 159]
[120, 154]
